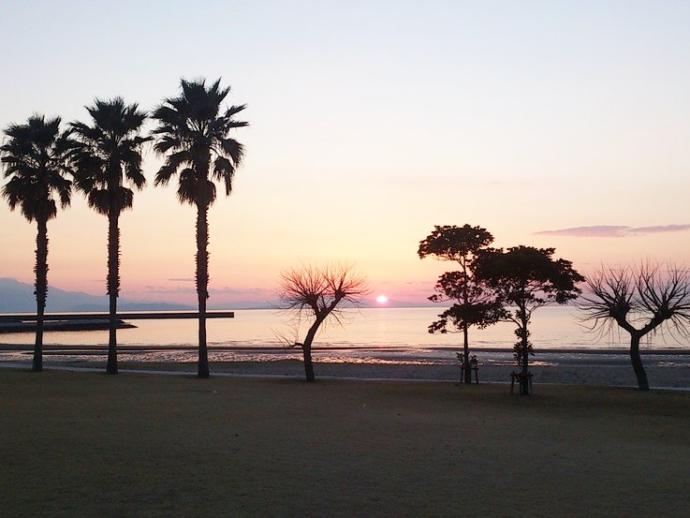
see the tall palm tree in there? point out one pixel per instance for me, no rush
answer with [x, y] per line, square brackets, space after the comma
[193, 134]
[107, 161]
[36, 157]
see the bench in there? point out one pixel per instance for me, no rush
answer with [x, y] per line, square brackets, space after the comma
[519, 377]
[473, 366]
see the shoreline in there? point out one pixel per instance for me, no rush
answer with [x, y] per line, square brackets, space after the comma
[221, 374]
[666, 351]
[670, 371]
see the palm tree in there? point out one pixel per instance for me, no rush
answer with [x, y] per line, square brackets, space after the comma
[107, 160]
[193, 134]
[36, 156]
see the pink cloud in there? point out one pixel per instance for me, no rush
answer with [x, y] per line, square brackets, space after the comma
[613, 231]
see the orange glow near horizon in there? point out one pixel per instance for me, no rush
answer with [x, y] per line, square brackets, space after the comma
[353, 159]
[250, 244]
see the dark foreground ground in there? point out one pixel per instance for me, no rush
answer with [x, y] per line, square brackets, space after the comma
[95, 445]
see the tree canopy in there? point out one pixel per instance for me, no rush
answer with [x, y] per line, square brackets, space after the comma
[193, 134]
[527, 278]
[109, 154]
[36, 159]
[453, 243]
[473, 304]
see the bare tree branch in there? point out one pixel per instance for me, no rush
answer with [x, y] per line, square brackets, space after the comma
[647, 299]
[317, 295]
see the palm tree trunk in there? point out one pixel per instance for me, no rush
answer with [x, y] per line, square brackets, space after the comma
[636, 360]
[466, 349]
[41, 286]
[113, 287]
[202, 283]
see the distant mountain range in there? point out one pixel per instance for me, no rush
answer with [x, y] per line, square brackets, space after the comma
[18, 297]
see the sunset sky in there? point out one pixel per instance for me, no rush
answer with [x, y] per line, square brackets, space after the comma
[548, 123]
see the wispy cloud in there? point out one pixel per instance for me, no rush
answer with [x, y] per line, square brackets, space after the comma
[660, 229]
[150, 288]
[613, 231]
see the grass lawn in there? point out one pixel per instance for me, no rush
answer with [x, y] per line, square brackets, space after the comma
[91, 444]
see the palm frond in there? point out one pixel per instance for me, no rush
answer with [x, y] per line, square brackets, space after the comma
[234, 110]
[233, 149]
[109, 153]
[193, 132]
[172, 163]
[224, 170]
[35, 157]
[99, 200]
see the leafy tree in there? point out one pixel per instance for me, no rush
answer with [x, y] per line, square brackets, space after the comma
[36, 157]
[475, 305]
[107, 163]
[316, 294]
[527, 278]
[640, 302]
[194, 135]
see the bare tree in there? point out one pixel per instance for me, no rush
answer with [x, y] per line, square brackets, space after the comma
[316, 294]
[640, 301]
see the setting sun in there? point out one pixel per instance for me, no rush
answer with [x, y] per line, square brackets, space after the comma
[382, 299]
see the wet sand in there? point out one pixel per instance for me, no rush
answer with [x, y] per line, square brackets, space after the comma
[669, 369]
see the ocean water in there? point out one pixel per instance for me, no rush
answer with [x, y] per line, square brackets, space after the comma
[406, 328]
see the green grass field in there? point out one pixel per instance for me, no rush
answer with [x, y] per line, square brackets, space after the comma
[90, 444]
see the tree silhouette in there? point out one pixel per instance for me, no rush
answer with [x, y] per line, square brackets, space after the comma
[641, 301]
[527, 278]
[193, 134]
[316, 294]
[36, 157]
[475, 305]
[107, 159]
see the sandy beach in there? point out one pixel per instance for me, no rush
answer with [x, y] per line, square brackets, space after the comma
[665, 368]
[174, 445]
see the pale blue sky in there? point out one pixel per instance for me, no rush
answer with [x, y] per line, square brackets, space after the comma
[520, 116]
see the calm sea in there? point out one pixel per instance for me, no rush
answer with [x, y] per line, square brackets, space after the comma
[553, 327]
